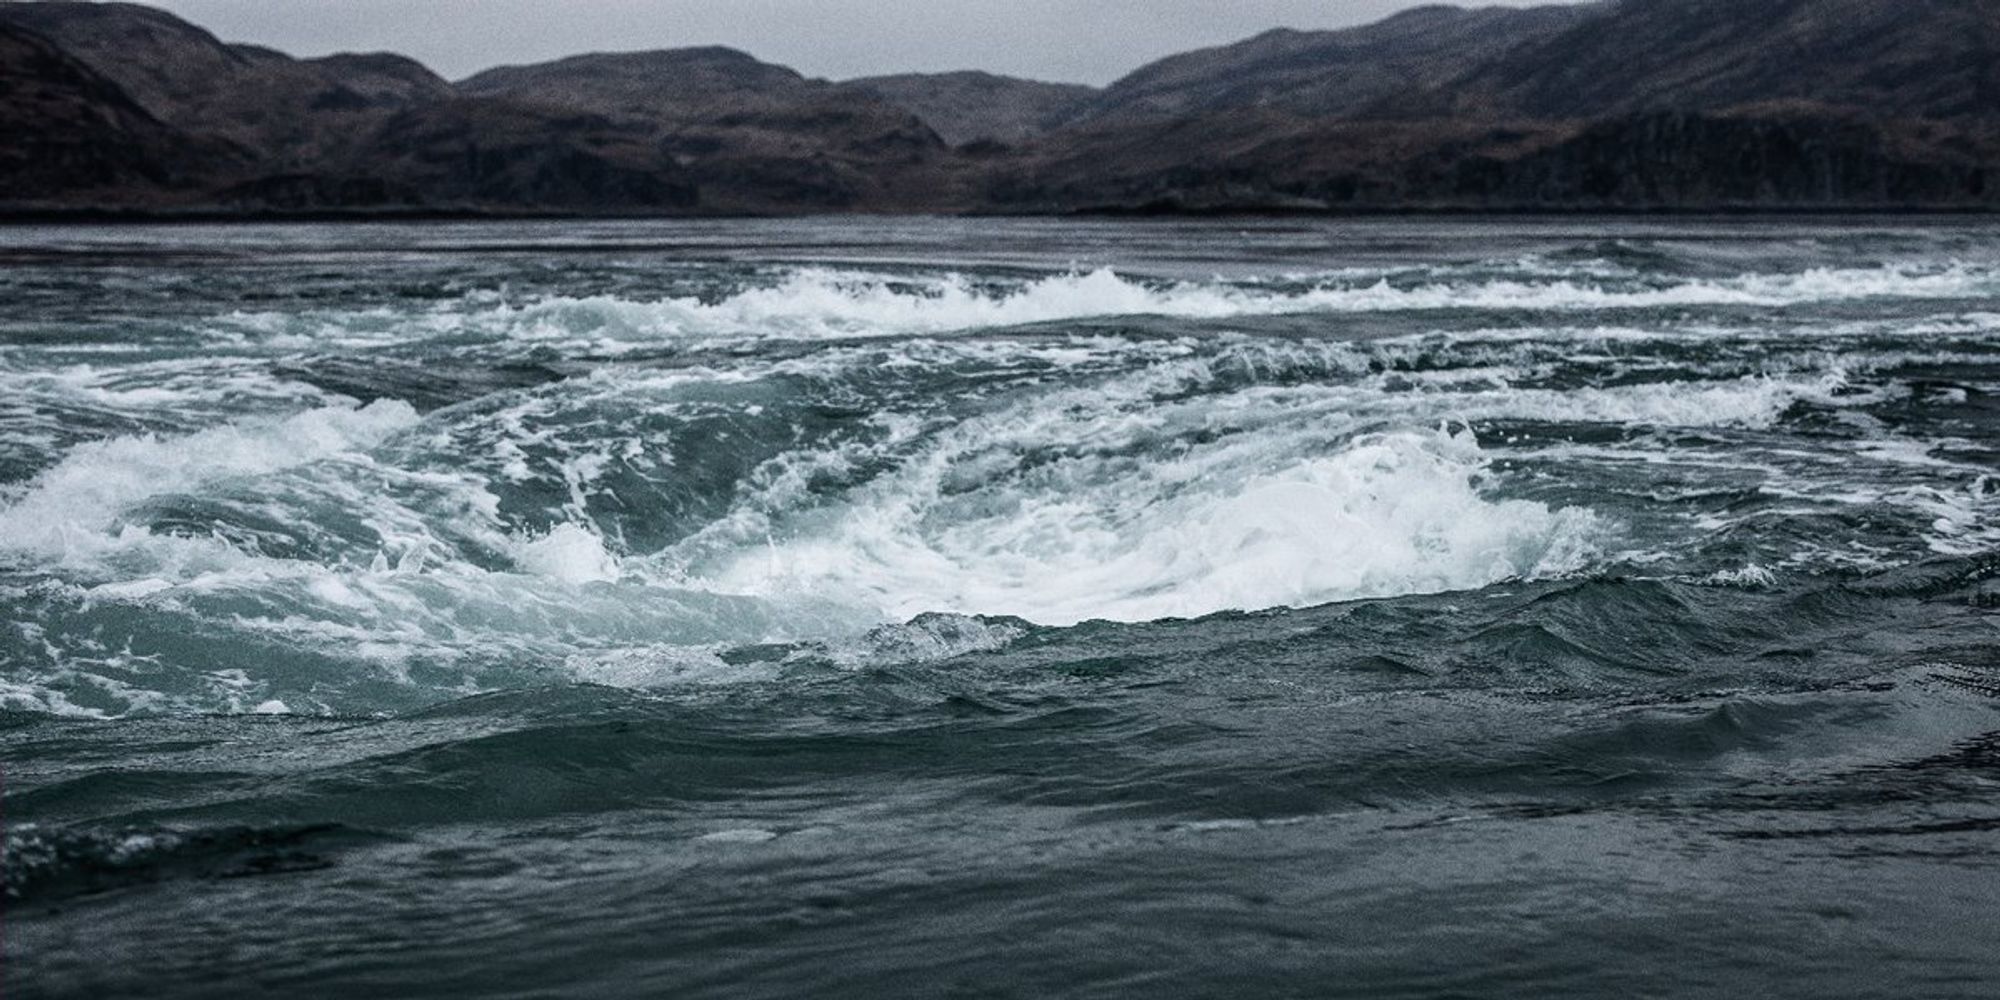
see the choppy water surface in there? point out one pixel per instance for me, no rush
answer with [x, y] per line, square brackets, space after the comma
[1001, 609]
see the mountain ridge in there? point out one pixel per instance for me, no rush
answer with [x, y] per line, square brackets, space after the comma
[1650, 105]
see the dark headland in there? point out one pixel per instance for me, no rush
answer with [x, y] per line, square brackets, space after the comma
[116, 110]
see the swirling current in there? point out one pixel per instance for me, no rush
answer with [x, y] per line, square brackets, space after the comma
[1000, 608]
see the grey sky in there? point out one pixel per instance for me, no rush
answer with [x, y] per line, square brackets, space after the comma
[1090, 41]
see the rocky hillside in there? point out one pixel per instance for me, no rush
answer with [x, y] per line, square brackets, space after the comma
[752, 136]
[1628, 104]
[1619, 104]
[1774, 158]
[700, 130]
[286, 113]
[1888, 58]
[972, 107]
[1332, 73]
[71, 136]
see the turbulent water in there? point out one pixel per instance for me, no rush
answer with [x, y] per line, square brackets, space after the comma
[1001, 609]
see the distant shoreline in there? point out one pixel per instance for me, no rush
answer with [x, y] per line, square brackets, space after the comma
[98, 217]
[126, 114]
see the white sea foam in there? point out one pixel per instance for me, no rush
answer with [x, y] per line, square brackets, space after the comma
[747, 835]
[819, 302]
[827, 303]
[1080, 503]
[1391, 514]
[568, 552]
[79, 503]
[661, 667]
[1300, 499]
[1127, 477]
[1751, 577]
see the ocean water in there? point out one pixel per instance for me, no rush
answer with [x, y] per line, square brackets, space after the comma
[868, 608]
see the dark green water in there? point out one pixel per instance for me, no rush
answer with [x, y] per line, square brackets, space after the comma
[1001, 609]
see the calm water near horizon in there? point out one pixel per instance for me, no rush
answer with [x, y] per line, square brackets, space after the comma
[1001, 608]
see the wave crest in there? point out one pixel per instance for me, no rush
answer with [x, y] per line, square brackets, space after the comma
[824, 303]
[1387, 515]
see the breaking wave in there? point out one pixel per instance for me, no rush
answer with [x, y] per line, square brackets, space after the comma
[819, 303]
[1389, 515]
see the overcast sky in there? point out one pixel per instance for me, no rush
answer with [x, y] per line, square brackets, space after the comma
[1088, 41]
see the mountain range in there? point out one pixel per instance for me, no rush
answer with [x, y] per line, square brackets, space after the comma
[1692, 105]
